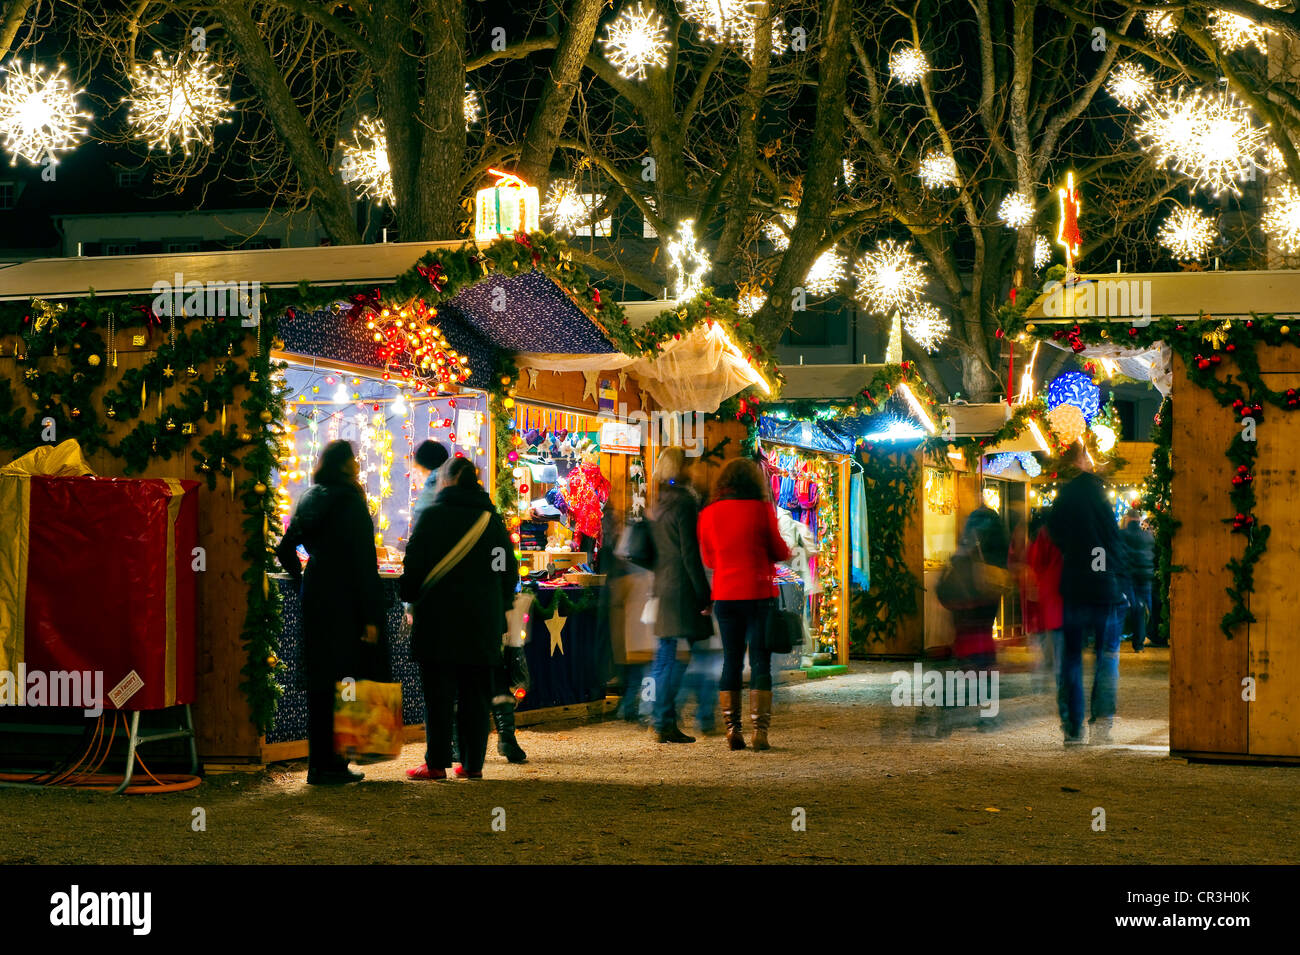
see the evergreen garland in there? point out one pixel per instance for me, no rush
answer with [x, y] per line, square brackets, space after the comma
[1157, 501]
[890, 477]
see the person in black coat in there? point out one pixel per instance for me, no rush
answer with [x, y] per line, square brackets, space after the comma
[459, 618]
[342, 599]
[1094, 589]
[1141, 546]
[680, 586]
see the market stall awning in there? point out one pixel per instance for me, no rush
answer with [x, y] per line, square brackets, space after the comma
[1124, 296]
[829, 382]
[695, 372]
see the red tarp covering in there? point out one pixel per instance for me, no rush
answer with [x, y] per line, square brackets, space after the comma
[109, 582]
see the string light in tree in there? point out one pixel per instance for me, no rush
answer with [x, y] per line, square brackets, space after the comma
[1130, 85]
[472, 106]
[850, 175]
[1160, 23]
[687, 263]
[926, 325]
[908, 65]
[566, 208]
[1208, 137]
[1187, 234]
[731, 22]
[937, 169]
[636, 39]
[825, 275]
[749, 301]
[172, 99]
[1042, 251]
[39, 116]
[889, 278]
[1233, 32]
[365, 161]
[1281, 221]
[1016, 210]
[780, 238]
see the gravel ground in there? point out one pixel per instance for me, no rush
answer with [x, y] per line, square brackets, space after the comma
[606, 792]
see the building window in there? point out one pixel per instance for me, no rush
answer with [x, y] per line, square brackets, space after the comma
[130, 178]
[8, 194]
[120, 246]
[182, 245]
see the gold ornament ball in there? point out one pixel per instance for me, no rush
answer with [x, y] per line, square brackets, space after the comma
[505, 379]
[245, 436]
[259, 488]
[93, 361]
[1285, 329]
[1105, 333]
[1031, 327]
[508, 403]
[266, 416]
[271, 661]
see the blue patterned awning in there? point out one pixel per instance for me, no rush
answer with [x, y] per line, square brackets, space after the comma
[523, 313]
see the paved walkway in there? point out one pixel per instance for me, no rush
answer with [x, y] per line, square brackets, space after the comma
[845, 765]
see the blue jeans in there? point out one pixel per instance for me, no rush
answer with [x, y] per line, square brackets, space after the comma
[1105, 622]
[701, 681]
[743, 625]
[1141, 607]
[666, 672]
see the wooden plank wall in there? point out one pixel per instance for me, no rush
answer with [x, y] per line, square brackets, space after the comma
[220, 713]
[1206, 712]
[1273, 654]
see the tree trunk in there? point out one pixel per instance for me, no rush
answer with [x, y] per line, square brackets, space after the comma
[978, 383]
[327, 194]
[557, 99]
[442, 152]
[824, 166]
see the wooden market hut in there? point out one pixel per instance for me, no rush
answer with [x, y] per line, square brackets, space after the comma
[117, 345]
[1229, 698]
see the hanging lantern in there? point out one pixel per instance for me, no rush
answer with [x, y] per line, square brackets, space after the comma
[507, 208]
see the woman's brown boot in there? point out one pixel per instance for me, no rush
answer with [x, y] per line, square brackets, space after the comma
[732, 717]
[760, 713]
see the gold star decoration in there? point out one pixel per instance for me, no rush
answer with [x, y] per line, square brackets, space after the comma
[622, 381]
[589, 384]
[555, 624]
[167, 372]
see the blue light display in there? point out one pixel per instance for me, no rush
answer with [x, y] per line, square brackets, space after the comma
[1075, 388]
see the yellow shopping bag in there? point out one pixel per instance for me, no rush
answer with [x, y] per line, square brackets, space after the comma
[368, 721]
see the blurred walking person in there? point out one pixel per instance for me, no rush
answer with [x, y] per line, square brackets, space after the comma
[1094, 584]
[740, 541]
[1044, 617]
[460, 573]
[1140, 544]
[681, 590]
[342, 599]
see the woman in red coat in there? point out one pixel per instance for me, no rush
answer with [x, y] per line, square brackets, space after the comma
[740, 541]
[1047, 613]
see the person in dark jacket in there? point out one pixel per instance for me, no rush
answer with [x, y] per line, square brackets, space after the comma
[460, 617]
[342, 600]
[1141, 547]
[680, 587]
[741, 540]
[1094, 585]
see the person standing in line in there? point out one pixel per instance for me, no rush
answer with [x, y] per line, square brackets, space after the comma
[342, 598]
[429, 456]
[1094, 584]
[680, 588]
[1046, 612]
[461, 574]
[1141, 546]
[740, 541]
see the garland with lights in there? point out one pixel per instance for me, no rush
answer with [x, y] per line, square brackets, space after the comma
[1205, 346]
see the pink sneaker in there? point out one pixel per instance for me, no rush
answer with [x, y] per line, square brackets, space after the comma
[462, 773]
[424, 772]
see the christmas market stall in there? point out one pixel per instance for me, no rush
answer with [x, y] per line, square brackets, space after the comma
[1221, 493]
[233, 370]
